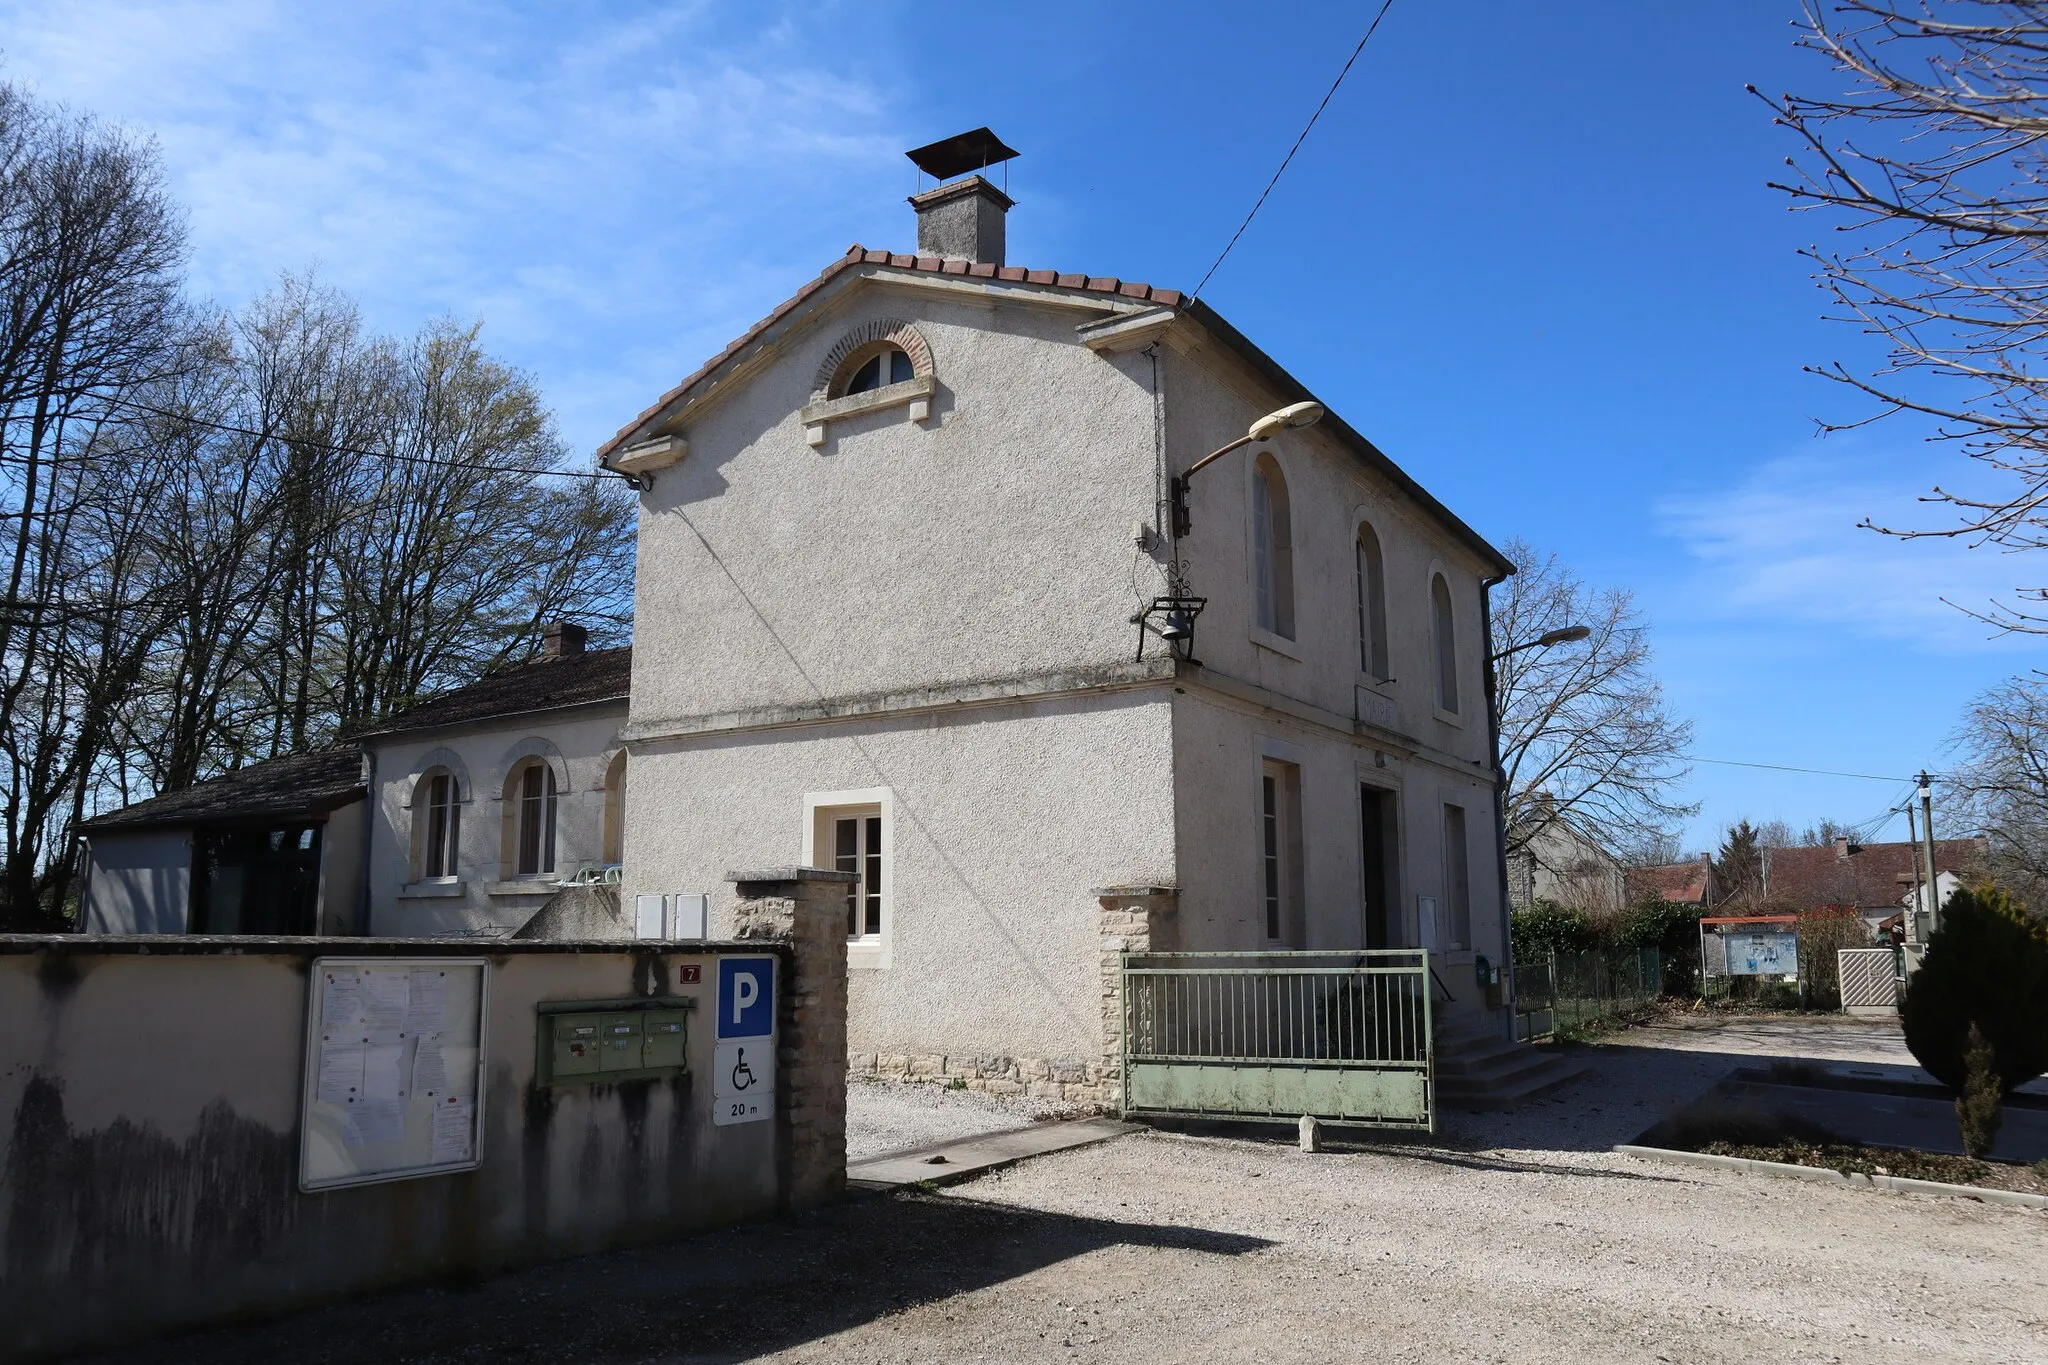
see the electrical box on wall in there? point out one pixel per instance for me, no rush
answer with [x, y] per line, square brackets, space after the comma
[596, 1042]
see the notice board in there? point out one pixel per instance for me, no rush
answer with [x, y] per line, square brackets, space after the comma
[393, 1084]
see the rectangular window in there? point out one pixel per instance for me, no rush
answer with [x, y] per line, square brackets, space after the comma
[1280, 889]
[1457, 877]
[857, 848]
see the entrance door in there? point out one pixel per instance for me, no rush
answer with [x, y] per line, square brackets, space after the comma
[1376, 892]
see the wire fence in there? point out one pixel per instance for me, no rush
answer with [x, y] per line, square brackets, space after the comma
[1568, 990]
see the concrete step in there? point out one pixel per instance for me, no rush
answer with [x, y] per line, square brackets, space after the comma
[1476, 1056]
[1498, 1071]
[1551, 1073]
[1477, 1068]
[951, 1162]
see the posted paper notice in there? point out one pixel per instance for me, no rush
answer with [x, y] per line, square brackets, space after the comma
[454, 1125]
[341, 1070]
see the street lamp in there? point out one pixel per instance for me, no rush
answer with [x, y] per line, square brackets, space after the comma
[1265, 429]
[1563, 635]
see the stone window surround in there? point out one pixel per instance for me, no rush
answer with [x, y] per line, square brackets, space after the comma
[876, 954]
[852, 349]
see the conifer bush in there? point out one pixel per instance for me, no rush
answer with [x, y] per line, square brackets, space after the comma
[1985, 970]
[1977, 1113]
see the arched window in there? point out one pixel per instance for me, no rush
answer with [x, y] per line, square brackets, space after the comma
[885, 365]
[436, 826]
[1372, 604]
[1273, 548]
[530, 790]
[1444, 626]
[615, 809]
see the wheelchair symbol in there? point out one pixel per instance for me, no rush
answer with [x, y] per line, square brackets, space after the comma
[742, 1074]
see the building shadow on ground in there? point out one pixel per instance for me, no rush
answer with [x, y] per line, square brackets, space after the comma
[726, 1296]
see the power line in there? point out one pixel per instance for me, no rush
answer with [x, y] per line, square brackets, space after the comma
[1787, 768]
[1295, 148]
[232, 429]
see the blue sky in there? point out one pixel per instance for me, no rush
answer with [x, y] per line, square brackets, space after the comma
[1529, 250]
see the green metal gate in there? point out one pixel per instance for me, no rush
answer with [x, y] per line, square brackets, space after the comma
[1342, 1036]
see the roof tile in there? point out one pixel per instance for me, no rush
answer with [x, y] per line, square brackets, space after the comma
[294, 787]
[600, 675]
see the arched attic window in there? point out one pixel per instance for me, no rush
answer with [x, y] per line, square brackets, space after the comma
[531, 799]
[1372, 604]
[436, 826]
[875, 366]
[1272, 548]
[1444, 625]
[888, 364]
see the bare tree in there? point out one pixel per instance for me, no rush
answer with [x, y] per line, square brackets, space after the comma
[1584, 734]
[89, 246]
[2000, 787]
[229, 537]
[1933, 162]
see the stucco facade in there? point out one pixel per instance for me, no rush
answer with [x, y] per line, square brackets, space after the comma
[915, 605]
[487, 895]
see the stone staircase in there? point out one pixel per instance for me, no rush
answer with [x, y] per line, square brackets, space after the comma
[1476, 1068]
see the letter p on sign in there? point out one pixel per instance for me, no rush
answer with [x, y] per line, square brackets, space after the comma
[746, 997]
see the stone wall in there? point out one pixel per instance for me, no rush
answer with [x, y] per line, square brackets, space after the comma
[150, 1125]
[805, 907]
[1135, 919]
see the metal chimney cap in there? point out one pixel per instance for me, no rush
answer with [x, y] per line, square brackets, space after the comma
[960, 153]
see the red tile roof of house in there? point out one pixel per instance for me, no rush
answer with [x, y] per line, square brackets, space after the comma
[1865, 876]
[1679, 883]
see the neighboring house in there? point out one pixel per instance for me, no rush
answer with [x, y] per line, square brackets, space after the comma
[487, 797]
[1693, 884]
[274, 848]
[1550, 859]
[1875, 880]
[894, 543]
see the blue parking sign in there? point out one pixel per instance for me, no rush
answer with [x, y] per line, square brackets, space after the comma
[746, 997]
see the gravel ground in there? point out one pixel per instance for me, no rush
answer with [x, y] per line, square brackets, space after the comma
[884, 1115]
[1512, 1237]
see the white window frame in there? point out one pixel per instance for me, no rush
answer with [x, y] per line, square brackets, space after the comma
[1438, 644]
[1281, 764]
[1457, 873]
[873, 952]
[548, 837]
[1268, 575]
[447, 825]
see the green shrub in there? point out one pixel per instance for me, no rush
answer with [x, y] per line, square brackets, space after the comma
[1546, 927]
[1986, 966]
[1822, 935]
[1977, 1115]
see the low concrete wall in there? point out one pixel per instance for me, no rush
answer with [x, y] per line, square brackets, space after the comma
[149, 1129]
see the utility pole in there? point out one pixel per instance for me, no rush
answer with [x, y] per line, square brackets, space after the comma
[1927, 837]
[1913, 908]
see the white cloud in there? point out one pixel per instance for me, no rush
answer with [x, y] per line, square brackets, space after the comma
[616, 191]
[1784, 545]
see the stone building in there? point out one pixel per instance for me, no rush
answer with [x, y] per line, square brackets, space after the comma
[907, 553]
[461, 816]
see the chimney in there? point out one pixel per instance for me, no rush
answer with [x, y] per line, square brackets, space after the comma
[963, 220]
[562, 640]
[1841, 846]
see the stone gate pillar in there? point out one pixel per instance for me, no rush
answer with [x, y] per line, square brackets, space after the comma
[1133, 919]
[805, 908]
